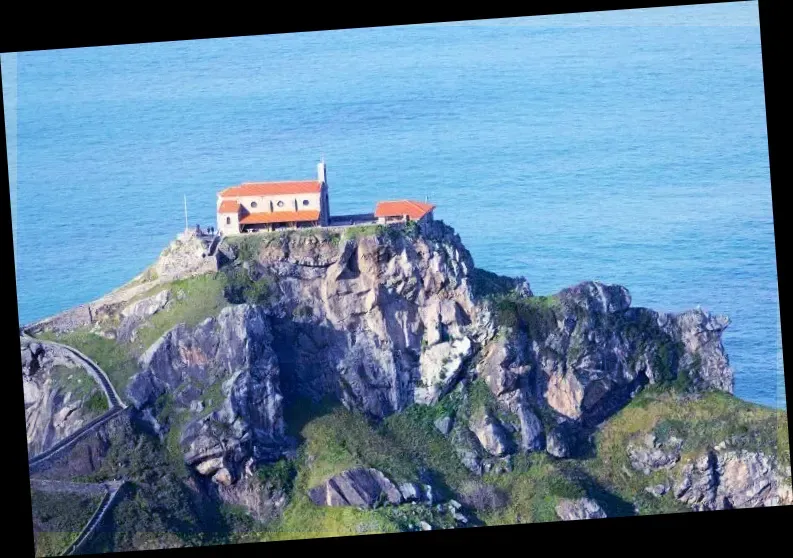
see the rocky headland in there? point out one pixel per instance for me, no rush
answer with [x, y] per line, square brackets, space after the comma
[373, 379]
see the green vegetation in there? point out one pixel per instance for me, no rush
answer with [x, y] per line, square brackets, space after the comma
[193, 300]
[534, 487]
[58, 518]
[247, 246]
[97, 403]
[213, 397]
[486, 284]
[240, 288]
[535, 315]
[361, 231]
[278, 476]
[157, 508]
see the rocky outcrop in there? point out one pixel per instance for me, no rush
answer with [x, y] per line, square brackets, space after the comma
[582, 508]
[385, 320]
[232, 352]
[263, 503]
[360, 487]
[491, 434]
[184, 257]
[134, 315]
[583, 353]
[734, 479]
[652, 455]
[56, 388]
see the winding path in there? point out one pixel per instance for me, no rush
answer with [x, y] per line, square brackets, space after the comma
[111, 489]
[117, 406]
[99, 375]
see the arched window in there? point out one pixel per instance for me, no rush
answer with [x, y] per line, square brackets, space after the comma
[254, 204]
[305, 202]
[228, 220]
[280, 204]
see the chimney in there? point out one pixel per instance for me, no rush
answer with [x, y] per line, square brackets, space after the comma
[321, 176]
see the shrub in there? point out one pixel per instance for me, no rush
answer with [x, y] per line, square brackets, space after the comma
[97, 403]
[240, 288]
[279, 475]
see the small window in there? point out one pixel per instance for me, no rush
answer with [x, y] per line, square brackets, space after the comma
[305, 202]
[254, 204]
[228, 220]
[280, 204]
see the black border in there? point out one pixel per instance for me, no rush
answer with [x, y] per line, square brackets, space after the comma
[675, 533]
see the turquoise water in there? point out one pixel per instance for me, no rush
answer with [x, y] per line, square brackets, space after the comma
[628, 147]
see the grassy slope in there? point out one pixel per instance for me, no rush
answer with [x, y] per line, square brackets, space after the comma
[194, 300]
[337, 439]
[59, 518]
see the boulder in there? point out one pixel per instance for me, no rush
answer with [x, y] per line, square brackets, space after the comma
[360, 487]
[582, 508]
[491, 434]
[444, 425]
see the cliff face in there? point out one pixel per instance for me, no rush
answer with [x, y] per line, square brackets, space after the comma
[397, 317]
[381, 319]
[230, 356]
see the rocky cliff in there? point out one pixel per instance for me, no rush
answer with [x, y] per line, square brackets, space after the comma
[386, 320]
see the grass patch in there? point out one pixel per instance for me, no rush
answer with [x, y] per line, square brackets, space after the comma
[361, 231]
[193, 300]
[534, 488]
[414, 436]
[246, 247]
[58, 518]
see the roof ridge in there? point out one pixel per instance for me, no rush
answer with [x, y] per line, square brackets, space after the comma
[277, 181]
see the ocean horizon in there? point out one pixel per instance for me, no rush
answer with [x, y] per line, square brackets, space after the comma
[627, 147]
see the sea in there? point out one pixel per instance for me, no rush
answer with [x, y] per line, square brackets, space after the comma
[626, 147]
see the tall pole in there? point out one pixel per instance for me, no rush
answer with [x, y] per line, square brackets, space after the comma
[186, 226]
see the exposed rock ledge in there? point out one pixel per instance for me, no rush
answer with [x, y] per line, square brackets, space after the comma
[366, 488]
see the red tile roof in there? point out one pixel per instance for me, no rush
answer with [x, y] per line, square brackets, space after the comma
[228, 206]
[279, 217]
[272, 188]
[413, 209]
